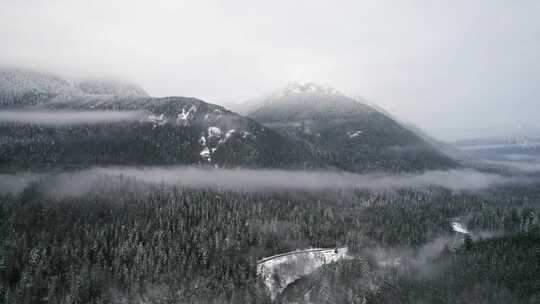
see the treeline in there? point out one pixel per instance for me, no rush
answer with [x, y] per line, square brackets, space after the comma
[35, 147]
[502, 270]
[26, 146]
[128, 242]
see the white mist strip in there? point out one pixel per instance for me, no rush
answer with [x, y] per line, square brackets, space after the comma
[67, 117]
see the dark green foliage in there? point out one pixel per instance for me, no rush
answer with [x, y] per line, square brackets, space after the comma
[501, 270]
[120, 143]
[130, 241]
[346, 281]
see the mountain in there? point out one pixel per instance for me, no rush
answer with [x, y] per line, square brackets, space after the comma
[141, 131]
[345, 132]
[304, 126]
[115, 88]
[516, 148]
[299, 102]
[448, 149]
[20, 87]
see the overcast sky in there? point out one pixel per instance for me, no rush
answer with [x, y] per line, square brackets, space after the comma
[458, 69]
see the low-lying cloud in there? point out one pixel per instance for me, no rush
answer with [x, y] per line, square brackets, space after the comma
[258, 180]
[15, 183]
[305, 180]
[67, 117]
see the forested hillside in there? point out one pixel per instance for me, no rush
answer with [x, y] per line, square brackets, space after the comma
[130, 242]
[500, 270]
[167, 131]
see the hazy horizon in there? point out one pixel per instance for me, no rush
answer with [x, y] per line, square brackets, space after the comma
[457, 69]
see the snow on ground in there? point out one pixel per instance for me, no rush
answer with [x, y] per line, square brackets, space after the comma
[227, 136]
[281, 270]
[183, 117]
[245, 134]
[229, 133]
[353, 134]
[214, 132]
[205, 153]
[310, 88]
[458, 227]
[157, 120]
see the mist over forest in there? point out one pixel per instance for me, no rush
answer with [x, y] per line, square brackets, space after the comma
[66, 118]
[81, 182]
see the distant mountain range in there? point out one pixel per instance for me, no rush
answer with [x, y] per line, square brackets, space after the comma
[517, 148]
[302, 127]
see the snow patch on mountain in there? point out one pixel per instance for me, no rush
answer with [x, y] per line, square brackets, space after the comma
[246, 134]
[183, 117]
[353, 134]
[309, 88]
[157, 120]
[205, 154]
[214, 132]
[458, 227]
[229, 133]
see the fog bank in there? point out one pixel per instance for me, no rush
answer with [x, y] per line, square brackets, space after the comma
[73, 183]
[305, 180]
[67, 118]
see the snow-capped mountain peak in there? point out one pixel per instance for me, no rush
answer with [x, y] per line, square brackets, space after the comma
[294, 88]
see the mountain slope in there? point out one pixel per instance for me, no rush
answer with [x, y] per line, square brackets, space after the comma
[115, 88]
[448, 149]
[169, 131]
[346, 133]
[164, 131]
[20, 87]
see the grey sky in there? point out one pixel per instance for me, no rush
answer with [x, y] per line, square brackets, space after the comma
[456, 68]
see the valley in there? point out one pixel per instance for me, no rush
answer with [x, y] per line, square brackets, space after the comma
[109, 195]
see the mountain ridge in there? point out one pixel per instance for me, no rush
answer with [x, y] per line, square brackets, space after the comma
[312, 127]
[350, 134]
[171, 131]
